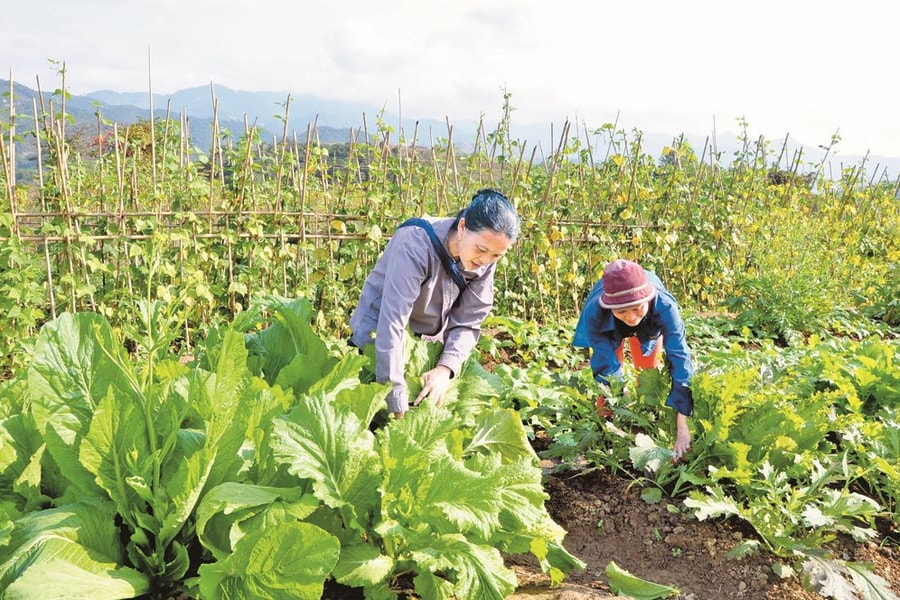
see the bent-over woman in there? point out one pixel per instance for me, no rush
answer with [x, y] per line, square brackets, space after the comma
[436, 278]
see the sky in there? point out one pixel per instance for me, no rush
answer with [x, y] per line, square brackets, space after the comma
[808, 69]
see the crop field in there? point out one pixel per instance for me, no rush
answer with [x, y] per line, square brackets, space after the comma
[181, 416]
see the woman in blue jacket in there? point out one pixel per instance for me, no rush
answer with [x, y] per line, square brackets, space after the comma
[631, 302]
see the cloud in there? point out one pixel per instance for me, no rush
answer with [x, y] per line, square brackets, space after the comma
[806, 67]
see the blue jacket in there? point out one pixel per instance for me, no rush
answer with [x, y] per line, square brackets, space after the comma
[597, 330]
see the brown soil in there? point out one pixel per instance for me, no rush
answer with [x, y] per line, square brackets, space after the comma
[606, 521]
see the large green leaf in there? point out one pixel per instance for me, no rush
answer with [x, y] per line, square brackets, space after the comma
[21, 451]
[116, 449]
[290, 560]
[63, 569]
[450, 566]
[476, 390]
[623, 582]
[76, 362]
[342, 384]
[71, 551]
[342, 376]
[426, 483]
[362, 565]
[501, 431]
[288, 352]
[490, 493]
[273, 347]
[455, 499]
[472, 391]
[331, 447]
[231, 510]
[427, 432]
[365, 400]
[220, 399]
[523, 517]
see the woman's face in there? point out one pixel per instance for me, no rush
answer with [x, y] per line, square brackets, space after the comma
[632, 315]
[479, 248]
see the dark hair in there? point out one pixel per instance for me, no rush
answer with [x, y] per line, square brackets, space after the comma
[491, 210]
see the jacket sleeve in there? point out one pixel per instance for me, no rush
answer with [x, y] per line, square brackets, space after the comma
[678, 355]
[681, 399]
[464, 321]
[407, 269]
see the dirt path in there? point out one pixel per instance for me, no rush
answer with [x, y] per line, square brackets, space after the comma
[607, 521]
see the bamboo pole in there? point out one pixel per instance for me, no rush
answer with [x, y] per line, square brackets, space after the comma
[39, 154]
[11, 176]
[50, 293]
[9, 158]
[165, 147]
[401, 141]
[279, 177]
[152, 124]
[213, 148]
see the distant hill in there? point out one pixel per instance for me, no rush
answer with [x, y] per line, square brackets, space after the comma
[260, 106]
[338, 121]
[86, 112]
[334, 117]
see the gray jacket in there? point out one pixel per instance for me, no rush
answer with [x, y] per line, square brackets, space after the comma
[408, 287]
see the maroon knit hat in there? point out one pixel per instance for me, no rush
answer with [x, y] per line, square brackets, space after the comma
[625, 284]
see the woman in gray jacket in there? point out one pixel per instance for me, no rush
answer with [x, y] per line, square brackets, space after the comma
[435, 277]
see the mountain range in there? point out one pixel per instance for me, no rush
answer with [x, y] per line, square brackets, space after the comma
[338, 121]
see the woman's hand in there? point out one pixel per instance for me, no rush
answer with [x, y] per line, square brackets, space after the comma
[682, 437]
[435, 384]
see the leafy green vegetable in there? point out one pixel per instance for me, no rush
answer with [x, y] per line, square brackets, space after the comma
[284, 560]
[148, 442]
[434, 492]
[837, 579]
[70, 551]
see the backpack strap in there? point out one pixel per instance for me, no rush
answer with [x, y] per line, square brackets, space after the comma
[446, 260]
